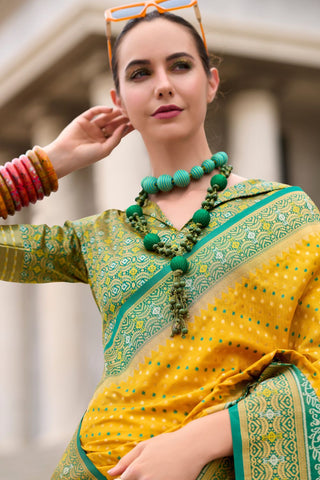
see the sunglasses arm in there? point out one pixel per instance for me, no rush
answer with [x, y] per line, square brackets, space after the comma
[108, 27]
[198, 15]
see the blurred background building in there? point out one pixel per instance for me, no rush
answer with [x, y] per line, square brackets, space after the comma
[53, 65]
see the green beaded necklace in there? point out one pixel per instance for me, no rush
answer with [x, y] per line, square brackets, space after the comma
[200, 220]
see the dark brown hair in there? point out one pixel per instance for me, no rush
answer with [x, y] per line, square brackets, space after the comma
[148, 18]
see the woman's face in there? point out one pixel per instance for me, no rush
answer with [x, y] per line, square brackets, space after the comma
[160, 68]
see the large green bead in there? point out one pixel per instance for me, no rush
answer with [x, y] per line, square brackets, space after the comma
[181, 178]
[164, 183]
[220, 158]
[150, 240]
[179, 263]
[196, 172]
[219, 180]
[134, 209]
[208, 165]
[149, 184]
[201, 216]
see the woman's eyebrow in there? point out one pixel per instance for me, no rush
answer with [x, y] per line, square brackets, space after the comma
[179, 55]
[148, 62]
[137, 62]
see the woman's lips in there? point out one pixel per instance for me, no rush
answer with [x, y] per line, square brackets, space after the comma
[167, 111]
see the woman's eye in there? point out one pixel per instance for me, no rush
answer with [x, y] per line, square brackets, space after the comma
[138, 74]
[181, 65]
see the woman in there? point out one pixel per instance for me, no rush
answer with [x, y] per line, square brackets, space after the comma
[210, 324]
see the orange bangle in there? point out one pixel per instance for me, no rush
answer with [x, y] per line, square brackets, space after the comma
[6, 196]
[47, 166]
[3, 208]
[40, 171]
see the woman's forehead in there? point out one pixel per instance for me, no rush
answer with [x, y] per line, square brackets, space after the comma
[159, 37]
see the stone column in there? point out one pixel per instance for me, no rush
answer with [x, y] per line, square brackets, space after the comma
[254, 134]
[60, 310]
[117, 178]
[15, 366]
[16, 331]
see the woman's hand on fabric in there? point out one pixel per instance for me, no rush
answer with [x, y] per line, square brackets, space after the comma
[179, 455]
[88, 138]
[171, 455]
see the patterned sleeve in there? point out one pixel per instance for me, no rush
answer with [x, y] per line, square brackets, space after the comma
[41, 254]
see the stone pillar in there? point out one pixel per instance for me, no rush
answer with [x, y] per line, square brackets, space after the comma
[254, 135]
[60, 311]
[15, 363]
[117, 178]
[16, 331]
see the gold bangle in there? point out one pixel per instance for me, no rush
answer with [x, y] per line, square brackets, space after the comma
[3, 208]
[47, 166]
[6, 196]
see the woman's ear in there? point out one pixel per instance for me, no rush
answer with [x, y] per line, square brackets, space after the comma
[213, 84]
[117, 101]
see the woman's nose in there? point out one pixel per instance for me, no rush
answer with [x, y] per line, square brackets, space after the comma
[163, 86]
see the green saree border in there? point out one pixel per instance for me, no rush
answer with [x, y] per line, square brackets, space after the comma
[305, 424]
[167, 269]
[86, 460]
[236, 440]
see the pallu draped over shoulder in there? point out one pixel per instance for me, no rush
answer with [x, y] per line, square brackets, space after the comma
[253, 345]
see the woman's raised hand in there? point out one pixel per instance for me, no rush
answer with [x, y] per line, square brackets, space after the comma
[88, 138]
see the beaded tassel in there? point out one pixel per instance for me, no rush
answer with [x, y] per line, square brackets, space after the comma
[200, 220]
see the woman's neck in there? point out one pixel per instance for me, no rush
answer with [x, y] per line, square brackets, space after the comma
[166, 157]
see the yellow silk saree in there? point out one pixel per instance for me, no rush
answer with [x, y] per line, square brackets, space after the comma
[254, 331]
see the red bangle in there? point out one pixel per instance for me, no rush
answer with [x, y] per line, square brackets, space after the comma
[33, 175]
[17, 180]
[12, 188]
[6, 195]
[27, 182]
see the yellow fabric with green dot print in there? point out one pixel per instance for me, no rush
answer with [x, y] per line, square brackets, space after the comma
[254, 338]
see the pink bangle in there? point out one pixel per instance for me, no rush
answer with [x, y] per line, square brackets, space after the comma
[34, 159]
[12, 188]
[24, 175]
[33, 175]
[17, 180]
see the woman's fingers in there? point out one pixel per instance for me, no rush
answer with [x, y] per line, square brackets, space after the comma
[94, 111]
[102, 120]
[125, 462]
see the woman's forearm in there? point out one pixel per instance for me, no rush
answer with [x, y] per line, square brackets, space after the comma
[212, 435]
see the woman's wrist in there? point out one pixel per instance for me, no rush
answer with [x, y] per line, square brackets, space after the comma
[59, 159]
[211, 436]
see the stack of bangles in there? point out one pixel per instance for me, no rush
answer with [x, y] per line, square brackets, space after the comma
[25, 180]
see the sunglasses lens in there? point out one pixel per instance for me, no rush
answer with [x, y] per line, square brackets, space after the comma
[127, 12]
[174, 3]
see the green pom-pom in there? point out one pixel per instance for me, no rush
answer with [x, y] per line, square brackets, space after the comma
[201, 216]
[164, 183]
[150, 240]
[220, 158]
[196, 172]
[220, 181]
[149, 185]
[134, 209]
[179, 263]
[208, 165]
[181, 178]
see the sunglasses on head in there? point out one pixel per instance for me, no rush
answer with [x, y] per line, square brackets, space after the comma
[136, 10]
